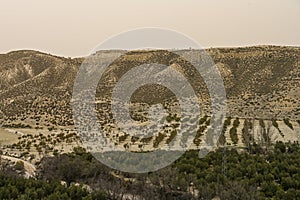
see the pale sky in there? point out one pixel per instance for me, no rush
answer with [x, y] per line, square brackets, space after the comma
[73, 28]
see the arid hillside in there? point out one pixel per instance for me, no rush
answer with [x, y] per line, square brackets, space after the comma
[261, 81]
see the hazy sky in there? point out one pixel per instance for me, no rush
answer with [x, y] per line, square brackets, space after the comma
[74, 28]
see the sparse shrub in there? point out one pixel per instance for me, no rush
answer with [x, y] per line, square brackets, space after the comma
[275, 124]
[222, 139]
[203, 119]
[233, 131]
[169, 118]
[288, 123]
[245, 132]
[122, 138]
[146, 139]
[134, 139]
[233, 135]
[19, 165]
[158, 139]
[171, 137]
[262, 123]
[236, 122]
[207, 123]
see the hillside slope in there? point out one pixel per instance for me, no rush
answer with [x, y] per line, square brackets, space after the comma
[260, 81]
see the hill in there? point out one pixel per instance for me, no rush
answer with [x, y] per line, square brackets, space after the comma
[261, 82]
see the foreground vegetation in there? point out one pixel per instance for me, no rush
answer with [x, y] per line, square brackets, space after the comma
[254, 173]
[13, 187]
